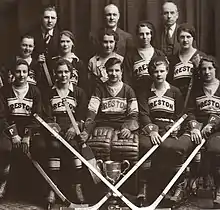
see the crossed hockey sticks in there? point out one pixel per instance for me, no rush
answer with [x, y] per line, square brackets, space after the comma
[68, 203]
[94, 170]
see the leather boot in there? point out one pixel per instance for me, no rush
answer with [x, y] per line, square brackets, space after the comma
[51, 199]
[217, 196]
[79, 193]
[179, 193]
[142, 195]
[3, 189]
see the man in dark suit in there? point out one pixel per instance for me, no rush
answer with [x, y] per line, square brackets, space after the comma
[46, 35]
[46, 40]
[112, 15]
[168, 39]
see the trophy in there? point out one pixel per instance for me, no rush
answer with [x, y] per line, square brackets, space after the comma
[113, 170]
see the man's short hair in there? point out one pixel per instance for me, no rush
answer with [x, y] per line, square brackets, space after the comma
[48, 8]
[111, 5]
[112, 61]
[170, 1]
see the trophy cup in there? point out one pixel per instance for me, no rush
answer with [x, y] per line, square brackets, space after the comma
[113, 170]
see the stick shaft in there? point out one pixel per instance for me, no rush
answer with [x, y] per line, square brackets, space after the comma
[47, 74]
[94, 170]
[70, 114]
[48, 180]
[178, 174]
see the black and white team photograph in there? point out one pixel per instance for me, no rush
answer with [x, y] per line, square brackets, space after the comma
[109, 105]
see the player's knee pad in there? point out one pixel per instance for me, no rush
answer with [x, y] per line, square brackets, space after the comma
[213, 144]
[54, 163]
[125, 148]
[100, 142]
[54, 148]
[5, 144]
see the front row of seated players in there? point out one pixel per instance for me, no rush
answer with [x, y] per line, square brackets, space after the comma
[113, 109]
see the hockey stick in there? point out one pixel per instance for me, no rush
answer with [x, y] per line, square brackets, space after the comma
[53, 186]
[163, 193]
[85, 150]
[47, 73]
[135, 167]
[94, 170]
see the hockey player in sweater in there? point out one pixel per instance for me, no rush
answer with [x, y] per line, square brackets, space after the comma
[77, 102]
[21, 100]
[160, 106]
[184, 63]
[114, 111]
[136, 61]
[204, 108]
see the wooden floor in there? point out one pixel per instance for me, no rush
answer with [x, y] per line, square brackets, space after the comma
[193, 204]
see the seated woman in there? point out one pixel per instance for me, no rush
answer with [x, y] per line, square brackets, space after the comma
[21, 100]
[77, 101]
[183, 64]
[96, 68]
[160, 106]
[79, 75]
[25, 51]
[113, 109]
[137, 60]
[204, 108]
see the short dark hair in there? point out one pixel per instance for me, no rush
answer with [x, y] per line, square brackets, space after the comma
[211, 59]
[188, 28]
[146, 23]
[68, 34]
[156, 61]
[112, 61]
[109, 32]
[28, 36]
[18, 63]
[48, 7]
[62, 61]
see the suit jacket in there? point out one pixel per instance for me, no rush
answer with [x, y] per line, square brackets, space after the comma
[124, 44]
[163, 44]
[50, 49]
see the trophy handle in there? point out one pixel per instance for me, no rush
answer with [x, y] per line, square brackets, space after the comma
[127, 166]
[100, 165]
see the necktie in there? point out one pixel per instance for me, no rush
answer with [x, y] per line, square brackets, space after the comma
[47, 38]
[168, 36]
